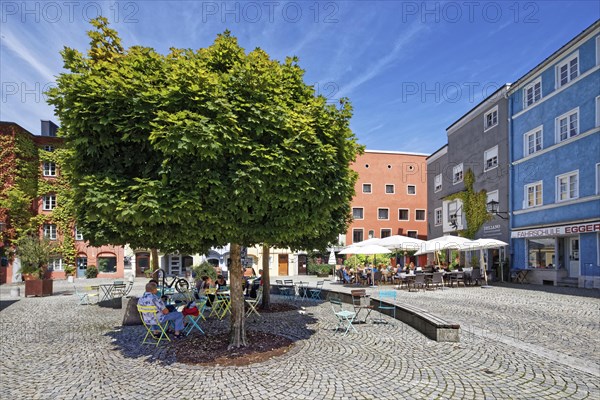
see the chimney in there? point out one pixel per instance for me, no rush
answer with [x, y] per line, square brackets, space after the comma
[49, 128]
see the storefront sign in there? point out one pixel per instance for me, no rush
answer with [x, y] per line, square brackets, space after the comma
[557, 230]
[490, 230]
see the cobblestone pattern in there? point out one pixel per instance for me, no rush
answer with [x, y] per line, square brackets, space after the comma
[51, 348]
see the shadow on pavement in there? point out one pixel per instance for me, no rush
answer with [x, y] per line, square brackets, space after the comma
[6, 303]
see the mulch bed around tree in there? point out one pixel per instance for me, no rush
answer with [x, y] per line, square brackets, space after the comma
[212, 349]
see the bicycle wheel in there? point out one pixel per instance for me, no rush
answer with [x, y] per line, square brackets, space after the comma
[182, 285]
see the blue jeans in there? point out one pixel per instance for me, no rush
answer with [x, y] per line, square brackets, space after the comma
[177, 319]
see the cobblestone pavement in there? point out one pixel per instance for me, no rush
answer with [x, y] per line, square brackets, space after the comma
[516, 343]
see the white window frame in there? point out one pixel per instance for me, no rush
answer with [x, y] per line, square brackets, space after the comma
[78, 235]
[50, 231]
[407, 214]
[456, 170]
[370, 188]
[385, 229]
[392, 186]
[49, 202]
[49, 168]
[567, 62]
[567, 116]
[493, 123]
[379, 216]
[408, 190]
[424, 214]
[53, 265]
[361, 230]
[437, 183]
[535, 198]
[532, 87]
[416, 235]
[597, 111]
[438, 216]
[49, 148]
[598, 178]
[534, 132]
[569, 176]
[491, 157]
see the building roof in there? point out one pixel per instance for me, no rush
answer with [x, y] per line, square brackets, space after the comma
[477, 109]
[558, 53]
[408, 153]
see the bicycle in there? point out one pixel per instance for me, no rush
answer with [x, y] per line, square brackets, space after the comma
[181, 285]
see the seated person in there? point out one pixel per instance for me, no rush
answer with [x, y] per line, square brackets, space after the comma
[151, 299]
[221, 282]
[347, 278]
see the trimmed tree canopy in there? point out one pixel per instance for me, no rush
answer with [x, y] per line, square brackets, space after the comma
[200, 148]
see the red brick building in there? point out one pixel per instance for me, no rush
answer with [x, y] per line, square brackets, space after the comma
[29, 165]
[391, 196]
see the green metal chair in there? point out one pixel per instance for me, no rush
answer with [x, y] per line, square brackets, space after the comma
[84, 297]
[344, 317]
[386, 295]
[150, 314]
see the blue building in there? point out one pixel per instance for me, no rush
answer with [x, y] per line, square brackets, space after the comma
[554, 144]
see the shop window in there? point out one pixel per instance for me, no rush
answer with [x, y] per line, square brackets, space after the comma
[541, 253]
[107, 264]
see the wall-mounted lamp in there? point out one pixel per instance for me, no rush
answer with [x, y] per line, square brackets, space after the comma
[492, 208]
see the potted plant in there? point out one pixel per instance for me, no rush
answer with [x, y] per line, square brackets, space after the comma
[91, 272]
[34, 254]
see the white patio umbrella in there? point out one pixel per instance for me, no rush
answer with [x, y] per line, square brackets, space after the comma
[332, 261]
[366, 242]
[400, 242]
[447, 242]
[484, 244]
[369, 249]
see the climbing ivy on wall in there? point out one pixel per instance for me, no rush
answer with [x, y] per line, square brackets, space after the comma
[19, 166]
[23, 183]
[473, 205]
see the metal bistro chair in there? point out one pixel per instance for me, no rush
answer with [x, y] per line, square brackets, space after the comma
[344, 317]
[149, 317]
[253, 302]
[84, 297]
[383, 296]
[302, 288]
[419, 282]
[361, 301]
[315, 294]
[437, 279]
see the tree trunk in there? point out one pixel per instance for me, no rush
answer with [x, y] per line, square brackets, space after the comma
[265, 278]
[237, 332]
[154, 259]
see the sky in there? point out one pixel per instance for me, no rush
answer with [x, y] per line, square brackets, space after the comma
[409, 68]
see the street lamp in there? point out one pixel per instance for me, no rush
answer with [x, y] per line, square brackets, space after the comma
[492, 208]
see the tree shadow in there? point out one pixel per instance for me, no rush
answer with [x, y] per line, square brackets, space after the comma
[6, 303]
[293, 325]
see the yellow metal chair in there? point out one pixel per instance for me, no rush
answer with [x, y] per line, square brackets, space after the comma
[151, 314]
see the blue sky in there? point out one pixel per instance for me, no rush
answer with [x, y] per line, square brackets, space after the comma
[410, 69]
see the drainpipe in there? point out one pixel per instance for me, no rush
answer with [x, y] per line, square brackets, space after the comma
[510, 177]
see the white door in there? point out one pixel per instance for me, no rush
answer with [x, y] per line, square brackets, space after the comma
[174, 264]
[574, 257]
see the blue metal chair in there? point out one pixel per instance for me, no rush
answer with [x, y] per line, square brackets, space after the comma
[315, 294]
[386, 295]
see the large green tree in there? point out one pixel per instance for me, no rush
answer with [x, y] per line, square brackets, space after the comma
[194, 149]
